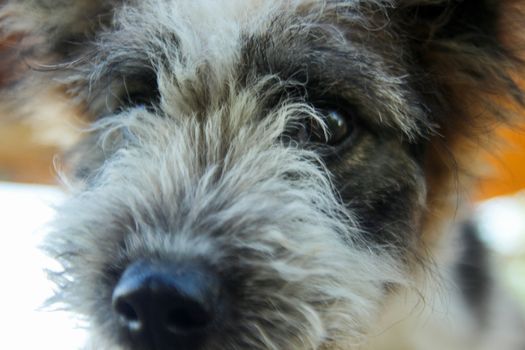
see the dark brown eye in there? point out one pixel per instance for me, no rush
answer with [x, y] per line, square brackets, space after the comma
[338, 126]
[138, 98]
[140, 91]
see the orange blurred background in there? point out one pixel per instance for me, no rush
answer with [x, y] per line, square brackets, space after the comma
[506, 174]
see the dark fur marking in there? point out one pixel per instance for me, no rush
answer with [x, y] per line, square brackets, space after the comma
[320, 69]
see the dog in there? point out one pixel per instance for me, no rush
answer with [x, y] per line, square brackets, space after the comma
[276, 174]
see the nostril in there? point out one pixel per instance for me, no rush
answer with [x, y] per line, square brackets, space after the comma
[128, 315]
[188, 318]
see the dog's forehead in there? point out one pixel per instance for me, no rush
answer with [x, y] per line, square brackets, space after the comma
[209, 23]
[204, 31]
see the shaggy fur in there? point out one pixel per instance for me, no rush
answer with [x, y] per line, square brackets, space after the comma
[197, 152]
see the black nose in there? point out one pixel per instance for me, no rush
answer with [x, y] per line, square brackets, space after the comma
[168, 305]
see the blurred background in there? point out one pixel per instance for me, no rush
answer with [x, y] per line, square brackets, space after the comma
[29, 189]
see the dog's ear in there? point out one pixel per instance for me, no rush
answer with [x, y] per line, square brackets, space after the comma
[38, 38]
[466, 48]
[55, 27]
[468, 53]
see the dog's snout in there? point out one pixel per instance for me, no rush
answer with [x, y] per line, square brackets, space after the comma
[174, 304]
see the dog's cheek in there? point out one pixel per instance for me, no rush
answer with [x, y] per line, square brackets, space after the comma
[384, 186]
[86, 240]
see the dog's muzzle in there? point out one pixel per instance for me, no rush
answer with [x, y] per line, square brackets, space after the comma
[168, 305]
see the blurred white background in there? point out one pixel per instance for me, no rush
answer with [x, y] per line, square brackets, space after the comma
[24, 287]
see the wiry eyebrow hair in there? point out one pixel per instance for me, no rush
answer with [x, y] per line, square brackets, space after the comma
[334, 66]
[324, 51]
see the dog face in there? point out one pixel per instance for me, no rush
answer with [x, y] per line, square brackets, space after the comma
[257, 173]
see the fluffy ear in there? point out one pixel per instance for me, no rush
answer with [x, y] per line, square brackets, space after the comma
[55, 26]
[469, 53]
[466, 47]
[40, 36]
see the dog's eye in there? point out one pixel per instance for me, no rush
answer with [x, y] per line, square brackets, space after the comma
[140, 98]
[141, 91]
[338, 126]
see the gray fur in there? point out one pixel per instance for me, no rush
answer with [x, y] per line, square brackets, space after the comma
[317, 240]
